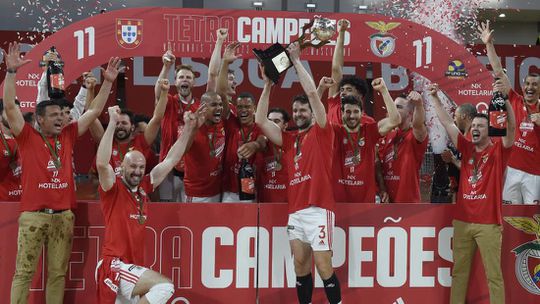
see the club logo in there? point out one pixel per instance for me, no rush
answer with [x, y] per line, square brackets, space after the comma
[456, 70]
[383, 43]
[129, 32]
[527, 266]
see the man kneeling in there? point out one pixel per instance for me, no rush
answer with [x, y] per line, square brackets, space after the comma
[119, 276]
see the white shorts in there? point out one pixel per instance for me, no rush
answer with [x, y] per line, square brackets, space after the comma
[211, 199]
[231, 197]
[521, 187]
[314, 226]
[129, 276]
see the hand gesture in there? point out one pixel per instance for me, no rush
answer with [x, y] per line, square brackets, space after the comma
[89, 80]
[378, 84]
[485, 34]
[113, 68]
[164, 84]
[222, 33]
[343, 25]
[114, 113]
[229, 54]
[247, 150]
[13, 59]
[432, 89]
[326, 82]
[168, 58]
[294, 51]
[415, 98]
[193, 121]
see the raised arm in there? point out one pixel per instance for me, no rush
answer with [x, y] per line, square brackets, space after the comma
[93, 112]
[168, 60]
[96, 129]
[151, 131]
[308, 85]
[394, 119]
[486, 35]
[215, 60]
[192, 121]
[222, 86]
[268, 127]
[419, 116]
[324, 84]
[445, 119]
[337, 59]
[105, 170]
[13, 63]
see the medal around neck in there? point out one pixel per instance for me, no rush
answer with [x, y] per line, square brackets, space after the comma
[275, 59]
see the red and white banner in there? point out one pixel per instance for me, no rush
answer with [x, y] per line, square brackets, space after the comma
[382, 253]
[191, 33]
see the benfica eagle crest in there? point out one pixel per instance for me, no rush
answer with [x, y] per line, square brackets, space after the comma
[129, 32]
[382, 43]
[527, 266]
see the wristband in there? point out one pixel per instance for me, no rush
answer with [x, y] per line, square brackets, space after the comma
[11, 71]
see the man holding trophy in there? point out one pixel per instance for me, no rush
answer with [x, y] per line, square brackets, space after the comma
[311, 203]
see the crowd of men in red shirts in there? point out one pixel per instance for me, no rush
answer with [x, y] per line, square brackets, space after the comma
[321, 156]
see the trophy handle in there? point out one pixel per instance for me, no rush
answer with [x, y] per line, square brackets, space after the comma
[305, 28]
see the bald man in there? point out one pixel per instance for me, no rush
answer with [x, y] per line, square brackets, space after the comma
[124, 198]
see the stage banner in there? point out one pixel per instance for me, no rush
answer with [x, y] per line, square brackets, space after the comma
[191, 33]
[215, 253]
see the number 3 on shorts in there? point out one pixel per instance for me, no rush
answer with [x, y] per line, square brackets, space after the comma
[322, 233]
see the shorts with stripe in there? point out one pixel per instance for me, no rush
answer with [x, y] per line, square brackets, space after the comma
[312, 225]
[116, 281]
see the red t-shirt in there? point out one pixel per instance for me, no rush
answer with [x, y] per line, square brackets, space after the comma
[173, 121]
[272, 175]
[119, 151]
[481, 201]
[10, 171]
[334, 112]
[204, 162]
[234, 139]
[355, 182]
[526, 150]
[401, 170]
[124, 235]
[310, 177]
[44, 185]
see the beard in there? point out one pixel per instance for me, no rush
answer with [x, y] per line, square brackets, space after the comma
[125, 134]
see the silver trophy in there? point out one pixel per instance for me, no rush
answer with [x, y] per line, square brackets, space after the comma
[275, 59]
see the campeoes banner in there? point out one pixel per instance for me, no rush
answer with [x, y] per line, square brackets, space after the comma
[216, 253]
[191, 33]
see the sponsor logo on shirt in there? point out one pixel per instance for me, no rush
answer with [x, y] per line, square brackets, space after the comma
[522, 144]
[527, 268]
[111, 285]
[299, 178]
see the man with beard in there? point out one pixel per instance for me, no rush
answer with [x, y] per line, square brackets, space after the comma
[272, 169]
[125, 138]
[124, 198]
[10, 167]
[477, 220]
[172, 188]
[354, 148]
[522, 184]
[402, 150]
[308, 153]
[48, 183]
[339, 86]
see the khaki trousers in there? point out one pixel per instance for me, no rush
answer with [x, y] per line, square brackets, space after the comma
[487, 238]
[36, 229]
